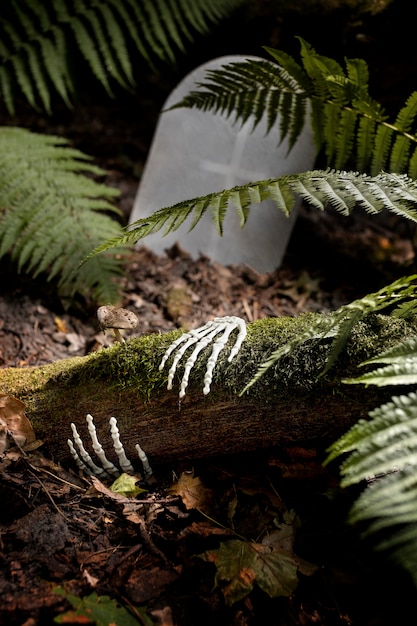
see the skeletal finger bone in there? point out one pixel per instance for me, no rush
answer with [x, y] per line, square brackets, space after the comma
[85, 462]
[108, 466]
[202, 337]
[124, 462]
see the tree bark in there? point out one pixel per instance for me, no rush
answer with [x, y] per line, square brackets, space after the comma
[291, 402]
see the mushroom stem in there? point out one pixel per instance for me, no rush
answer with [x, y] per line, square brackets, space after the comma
[118, 335]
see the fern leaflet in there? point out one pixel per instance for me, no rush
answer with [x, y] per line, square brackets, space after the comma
[338, 326]
[38, 42]
[52, 214]
[384, 453]
[400, 368]
[346, 121]
[342, 190]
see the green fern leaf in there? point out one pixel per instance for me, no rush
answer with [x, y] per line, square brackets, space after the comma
[22, 75]
[119, 49]
[397, 354]
[358, 74]
[412, 166]
[338, 326]
[124, 12]
[345, 138]
[399, 157]
[5, 88]
[400, 366]
[249, 89]
[382, 148]
[188, 13]
[346, 121]
[52, 213]
[405, 309]
[341, 190]
[318, 68]
[296, 78]
[385, 455]
[385, 444]
[39, 43]
[404, 373]
[365, 137]
[88, 48]
[35, 60]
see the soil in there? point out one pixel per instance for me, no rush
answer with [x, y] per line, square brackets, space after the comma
[65, 537]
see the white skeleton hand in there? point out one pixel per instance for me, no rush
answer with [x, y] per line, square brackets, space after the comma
[202, 337]
[85, 462]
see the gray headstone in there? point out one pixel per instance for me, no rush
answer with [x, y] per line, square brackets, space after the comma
[195, 153]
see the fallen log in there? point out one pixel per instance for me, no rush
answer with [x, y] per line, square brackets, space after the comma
[290, 403]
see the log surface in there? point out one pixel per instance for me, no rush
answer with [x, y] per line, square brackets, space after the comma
[290, 404]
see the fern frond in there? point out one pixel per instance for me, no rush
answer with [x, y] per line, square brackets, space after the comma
[342, 190]
[319, 68]
[400, 366]
[346, 121]
[52, 213]
[397, 354]
[399, 157]
[38, 42]
[253, 88]
[338, 326]
[404, 373]
[405, 309]
[385, 454]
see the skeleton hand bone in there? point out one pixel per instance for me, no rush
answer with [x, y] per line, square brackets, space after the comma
[107, 468]
[200, 338]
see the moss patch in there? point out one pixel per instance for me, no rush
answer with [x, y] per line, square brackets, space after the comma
[133, 366]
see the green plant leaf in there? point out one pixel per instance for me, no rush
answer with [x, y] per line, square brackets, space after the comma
[347, 123]
[39, 43]
[338, 326]
[400, 369]
[99, 610]
[52, 214]
[271, 565]
[404, 373]
[126, 485]
[383, 452]
[343, 191]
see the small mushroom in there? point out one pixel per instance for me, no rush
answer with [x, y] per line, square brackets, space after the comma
[116, 318]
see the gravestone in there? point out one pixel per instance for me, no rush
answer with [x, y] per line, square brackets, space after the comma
[194, 153]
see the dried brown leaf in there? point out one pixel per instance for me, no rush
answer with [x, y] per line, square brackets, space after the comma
[14, 420]
[192, 491]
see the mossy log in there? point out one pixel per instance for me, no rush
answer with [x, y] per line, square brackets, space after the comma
[290, 403]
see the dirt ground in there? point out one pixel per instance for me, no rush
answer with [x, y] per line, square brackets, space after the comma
[65, 537]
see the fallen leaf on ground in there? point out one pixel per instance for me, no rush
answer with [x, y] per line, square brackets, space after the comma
[204, 529]
[241, 564]
[106, 491]
[192, 491]
[145, 584]
[61, 325]
[14, 420]
[126, 485]
[99, 610]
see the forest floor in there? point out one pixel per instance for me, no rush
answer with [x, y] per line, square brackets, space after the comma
[64, 538]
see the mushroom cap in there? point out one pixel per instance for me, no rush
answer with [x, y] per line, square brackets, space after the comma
[116, 317]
